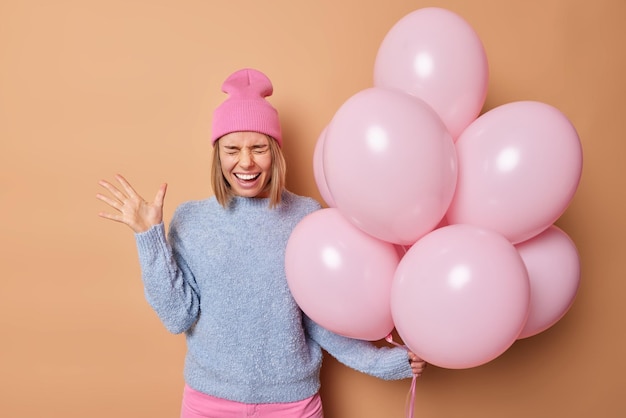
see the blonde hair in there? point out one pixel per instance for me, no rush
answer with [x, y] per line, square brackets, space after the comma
[275, 186]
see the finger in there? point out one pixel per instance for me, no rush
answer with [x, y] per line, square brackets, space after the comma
[112, 217]
[419, 366]
[160, 196]
[113, 203]
[420, 363]
[127, 187]
[417, 373]
[113, 190]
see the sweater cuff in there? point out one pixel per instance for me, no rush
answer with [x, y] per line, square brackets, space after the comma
[151, 239]
[401, 368]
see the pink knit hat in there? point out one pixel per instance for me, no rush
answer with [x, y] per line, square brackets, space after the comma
[246, 108]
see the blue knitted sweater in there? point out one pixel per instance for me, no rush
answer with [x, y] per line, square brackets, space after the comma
[220, 278]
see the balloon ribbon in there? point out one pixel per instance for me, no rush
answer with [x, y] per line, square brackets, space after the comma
[410, 407]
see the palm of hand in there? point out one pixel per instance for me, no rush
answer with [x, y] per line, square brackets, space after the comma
[131, 208]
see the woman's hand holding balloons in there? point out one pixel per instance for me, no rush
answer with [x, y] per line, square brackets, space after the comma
[417, 364]
[468, 202]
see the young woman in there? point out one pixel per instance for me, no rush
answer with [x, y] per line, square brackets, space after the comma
[219, 276]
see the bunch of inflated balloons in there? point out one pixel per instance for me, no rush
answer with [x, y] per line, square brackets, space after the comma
[440, 221]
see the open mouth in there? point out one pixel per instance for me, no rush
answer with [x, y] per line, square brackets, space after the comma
[247, 177]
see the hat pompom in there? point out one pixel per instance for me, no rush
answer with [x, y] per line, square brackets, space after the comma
[248, 83]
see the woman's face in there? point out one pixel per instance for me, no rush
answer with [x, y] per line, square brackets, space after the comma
[246, 163]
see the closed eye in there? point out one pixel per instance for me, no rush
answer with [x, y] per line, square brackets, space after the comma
[255, 149]
[231, 150]
[260, 149]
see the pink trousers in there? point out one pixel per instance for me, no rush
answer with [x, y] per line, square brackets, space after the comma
[200, 405]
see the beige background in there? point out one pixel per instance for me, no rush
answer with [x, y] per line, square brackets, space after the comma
[91, 88]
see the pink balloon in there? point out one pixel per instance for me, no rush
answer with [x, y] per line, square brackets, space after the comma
[553, 268]
[519, 167]
[318, 170]
[340, 276]
[460, 296]
[434, 54]
[401, 249]
[390, 165]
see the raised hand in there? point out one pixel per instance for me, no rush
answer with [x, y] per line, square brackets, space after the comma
[131, 208]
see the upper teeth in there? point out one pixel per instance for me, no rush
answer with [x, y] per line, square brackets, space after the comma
[246, 176]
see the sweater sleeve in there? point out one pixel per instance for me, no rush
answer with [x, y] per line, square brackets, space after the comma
[384, 362]
[169, 285]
